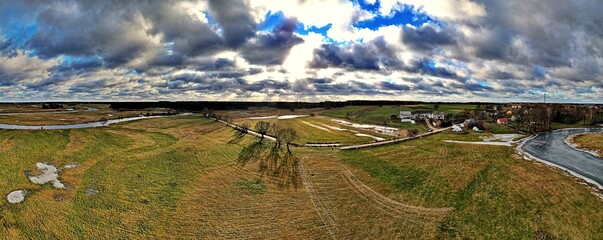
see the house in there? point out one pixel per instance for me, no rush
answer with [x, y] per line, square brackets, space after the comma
[502, 121]
[421, 115]
[405, 116]
[438, 115]
[516, 106]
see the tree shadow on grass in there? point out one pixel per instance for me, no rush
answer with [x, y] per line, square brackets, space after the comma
[282, 168]
[238, 136]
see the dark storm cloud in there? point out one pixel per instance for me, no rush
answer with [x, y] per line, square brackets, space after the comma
[374, 55]
[426, 37]
[235, 19]
[71, 28]
[427, 66]
[7, 48]
[393, 86]
[189, 36]
[272, 48]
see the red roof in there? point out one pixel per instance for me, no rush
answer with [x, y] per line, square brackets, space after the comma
[503, 119]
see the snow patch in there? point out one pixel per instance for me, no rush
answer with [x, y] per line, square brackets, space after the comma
[16, 196]
[50, 174]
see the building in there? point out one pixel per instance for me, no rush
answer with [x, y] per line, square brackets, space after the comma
[405, 116]
[502, 121]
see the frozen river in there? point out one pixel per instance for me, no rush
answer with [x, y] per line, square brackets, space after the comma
[551, 147]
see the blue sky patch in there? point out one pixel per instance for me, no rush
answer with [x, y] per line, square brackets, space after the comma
[406, 16]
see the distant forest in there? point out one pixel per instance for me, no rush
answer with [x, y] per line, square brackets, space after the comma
[199, 106]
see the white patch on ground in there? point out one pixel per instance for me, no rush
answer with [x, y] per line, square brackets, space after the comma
[334, 128]
[278, 117]
[375, 128]
[488, 139]
[90, 192]
[371, 136]
[323, 144]
[16, 196]
[507, 137]
[260, 118]
[316, 126]
[291, 116]
[508, 144]
[50, 174]
[72, 165]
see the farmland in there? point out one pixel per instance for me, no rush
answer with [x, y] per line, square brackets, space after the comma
[180, 177]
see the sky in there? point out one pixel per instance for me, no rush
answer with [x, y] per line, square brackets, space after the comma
[301, 50]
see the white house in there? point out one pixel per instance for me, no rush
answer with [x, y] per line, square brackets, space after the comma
[405, 116]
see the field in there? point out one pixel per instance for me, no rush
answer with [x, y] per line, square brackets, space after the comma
[34, 114]
[591, 142]
[318, 130]
[181, 178]
[380, 114]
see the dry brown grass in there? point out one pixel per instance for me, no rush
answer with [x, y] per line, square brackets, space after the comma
[590, 142]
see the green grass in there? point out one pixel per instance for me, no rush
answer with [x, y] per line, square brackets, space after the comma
[311, 134]
[253, 186]
[500, 129]
[381, 115]
[493, 193]
[344, 111]
[178, 177]
[398, 178]
[140, 175]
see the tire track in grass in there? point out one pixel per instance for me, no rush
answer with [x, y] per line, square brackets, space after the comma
[327, 216]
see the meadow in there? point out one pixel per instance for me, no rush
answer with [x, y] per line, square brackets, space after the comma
[24, 114]
[590, 141]
[181, 177]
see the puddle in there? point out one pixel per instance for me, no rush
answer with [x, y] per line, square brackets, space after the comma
[316, 126]
[371, 136]
[50, 174]
[16, 196]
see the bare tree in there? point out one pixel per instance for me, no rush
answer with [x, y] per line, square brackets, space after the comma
[277, 132]
[245, 127]
[262, 128]
[288, 135]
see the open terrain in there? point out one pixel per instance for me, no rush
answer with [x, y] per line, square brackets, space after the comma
[181, 178]
[34, 114]
[590, 142]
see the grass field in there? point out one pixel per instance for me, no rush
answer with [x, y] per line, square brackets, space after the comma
[493, 191]
[35, 115]
[179, 178]
[380, 114]
[590, 141]
[316, 130]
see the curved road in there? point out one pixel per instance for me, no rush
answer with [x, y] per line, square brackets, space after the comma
[551, 147]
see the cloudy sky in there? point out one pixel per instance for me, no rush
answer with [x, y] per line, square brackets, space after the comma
[307, 50]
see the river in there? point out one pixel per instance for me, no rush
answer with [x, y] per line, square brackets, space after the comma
[74, 126]
[551, 148]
